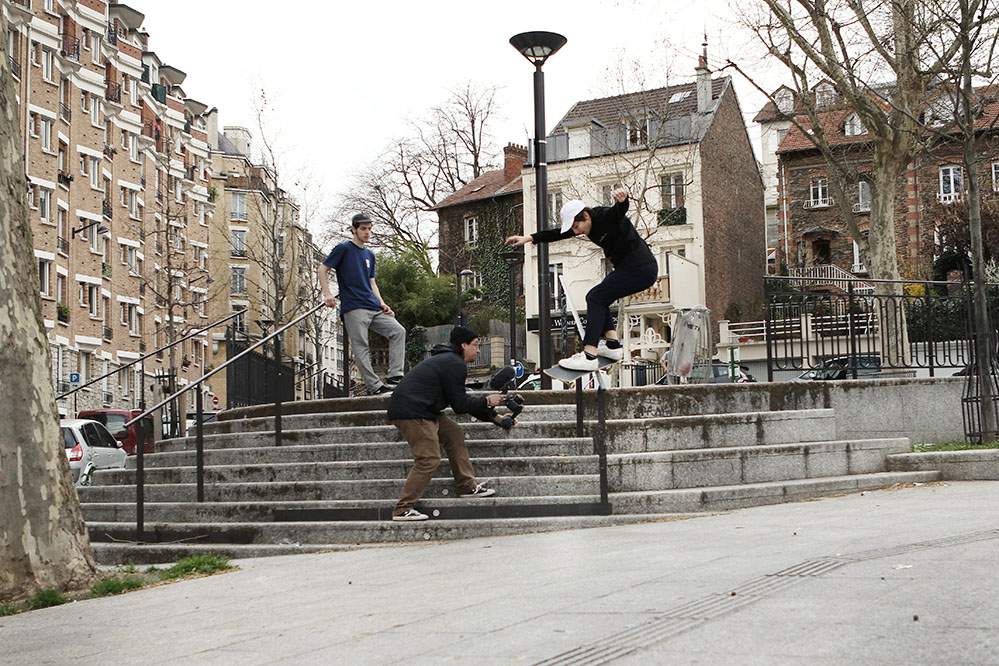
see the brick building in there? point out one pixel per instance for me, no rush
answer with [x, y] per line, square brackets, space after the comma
[815, 241]
[696, 196]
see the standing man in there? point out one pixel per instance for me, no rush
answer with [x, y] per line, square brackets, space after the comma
[362, 305]
[635, 270]
[416, 410]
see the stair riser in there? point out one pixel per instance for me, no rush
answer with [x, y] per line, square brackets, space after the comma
[362, 452]
[658, 436]
[337, 490]
[665, 472]
[350, 471]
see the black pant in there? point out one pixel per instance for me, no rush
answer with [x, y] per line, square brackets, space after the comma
[627, 279]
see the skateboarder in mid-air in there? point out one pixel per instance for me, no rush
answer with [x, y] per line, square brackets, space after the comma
[635, 270]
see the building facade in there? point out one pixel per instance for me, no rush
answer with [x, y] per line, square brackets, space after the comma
[685, 157]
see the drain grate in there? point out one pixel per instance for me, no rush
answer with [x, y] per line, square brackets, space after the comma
[693, 614]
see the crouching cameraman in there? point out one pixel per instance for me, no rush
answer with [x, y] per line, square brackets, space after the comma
[416, 410]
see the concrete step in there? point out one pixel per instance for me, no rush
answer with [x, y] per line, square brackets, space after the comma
[212, 535]
[539, 413]
[349, 471]
[508, 486]
[623, 435]
[119, 553]
[319, 453]
[221, 512]
[718, 498]
[697, 468]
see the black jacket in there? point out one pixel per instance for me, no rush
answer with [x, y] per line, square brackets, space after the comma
[434, 385]
[612, 231]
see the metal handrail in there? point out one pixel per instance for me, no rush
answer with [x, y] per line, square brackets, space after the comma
[155, 351]
[212, 372]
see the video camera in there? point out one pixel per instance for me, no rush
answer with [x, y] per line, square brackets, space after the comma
[503, 381]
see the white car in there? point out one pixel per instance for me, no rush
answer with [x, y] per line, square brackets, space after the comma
[89, 447]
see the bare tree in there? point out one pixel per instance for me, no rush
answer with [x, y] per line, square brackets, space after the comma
[441, 153]
[43, 542]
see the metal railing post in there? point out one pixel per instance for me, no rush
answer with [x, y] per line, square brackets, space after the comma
[600, 444]
[850, 331]
[767, 333]
[280, 388]
[930, 333]
[579, 407]
[199, 442]
[140, 472]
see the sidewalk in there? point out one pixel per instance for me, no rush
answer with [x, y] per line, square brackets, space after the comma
[906, 576]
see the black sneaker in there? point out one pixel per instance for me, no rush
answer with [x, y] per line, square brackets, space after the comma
[394, 380]
[480, 491]
[384, 389]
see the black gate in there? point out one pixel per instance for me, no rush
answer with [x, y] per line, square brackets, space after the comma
[256, 379]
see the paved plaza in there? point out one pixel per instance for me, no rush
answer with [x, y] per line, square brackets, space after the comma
[900, 576]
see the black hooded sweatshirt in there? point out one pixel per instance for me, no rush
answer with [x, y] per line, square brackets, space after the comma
[434, 385]
[613, 232]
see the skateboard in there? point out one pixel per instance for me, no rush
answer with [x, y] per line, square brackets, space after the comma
[569, 376]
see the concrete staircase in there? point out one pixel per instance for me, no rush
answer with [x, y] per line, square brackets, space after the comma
[333, 482]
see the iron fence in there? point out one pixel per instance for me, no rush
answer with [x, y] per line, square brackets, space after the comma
[840, 333]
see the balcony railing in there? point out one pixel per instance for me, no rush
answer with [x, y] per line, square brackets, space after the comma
[64, 178]
[15, 67]
[862, 207]
[949, 197]
[62, 245]
[107, 397]
[106, 270]
[108, 333]
[62, 313]
[657, 293]
[159, 93]
[818, 203]
[239, 252]
[65, 112]
[109, 151]
[107, 209]
[64, 387]
[828, 275]
[672, 216]
[71, 48]
[237, 215]
[113, 93]
[112, 34]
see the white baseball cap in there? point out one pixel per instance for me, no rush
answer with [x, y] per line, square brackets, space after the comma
[570, 209]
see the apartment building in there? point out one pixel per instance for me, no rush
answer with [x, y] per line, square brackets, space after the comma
[685, 157]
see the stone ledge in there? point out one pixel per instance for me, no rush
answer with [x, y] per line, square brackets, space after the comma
[970, 465]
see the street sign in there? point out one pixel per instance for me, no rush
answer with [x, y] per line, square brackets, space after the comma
[74, 378]
[518, 369]
[215, 401]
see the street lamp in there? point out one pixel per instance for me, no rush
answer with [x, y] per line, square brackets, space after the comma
[537, 47]
[101, 229]
[459, 317]
[513, 258]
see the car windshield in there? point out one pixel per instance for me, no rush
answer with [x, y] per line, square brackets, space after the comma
[68, 440]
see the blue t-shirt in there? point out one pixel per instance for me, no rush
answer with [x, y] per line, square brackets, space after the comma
[355, 266]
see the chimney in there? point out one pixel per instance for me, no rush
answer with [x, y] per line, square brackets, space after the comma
[703, 80]
[212, 128]
[514, 157]
[240, 137]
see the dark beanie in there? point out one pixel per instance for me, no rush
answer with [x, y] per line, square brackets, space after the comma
[462, 336]
[360, 219]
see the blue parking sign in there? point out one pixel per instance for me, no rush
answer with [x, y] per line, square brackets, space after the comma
[74, 378]
[518, 369]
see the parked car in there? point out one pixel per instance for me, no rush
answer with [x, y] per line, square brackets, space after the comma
[115, 419]
[532, 382]
[90, 447]
[868, 365]
[206, 417]
[720, 374]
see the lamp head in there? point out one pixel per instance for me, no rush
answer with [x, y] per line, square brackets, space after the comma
[538, 46]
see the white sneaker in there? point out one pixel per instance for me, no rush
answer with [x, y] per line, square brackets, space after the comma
[578, 361]
[410, 515]
[480, 491]
[607, 352]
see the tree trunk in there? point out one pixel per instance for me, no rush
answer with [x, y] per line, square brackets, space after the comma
[43, 542]
[883, 265]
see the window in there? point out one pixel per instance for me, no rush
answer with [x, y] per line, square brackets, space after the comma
[199, 210]
[85, 101]
[48, 65]
[239, 321]
[133, 204]
[555, 285]
[61, 243]
[678, 97]
[995, 176]
[32, 197]
[825, 95]
[471, 230]
[554, 206]
[133, 147]
[95, 48]
[50, 6]
[95, 173]
[781, 133]
[858, 260]
[238, 206]
[238, 280]
[83, 362]
[638, 134]
[673, 185]
[607, 193]
[45, 277]
[818, 194]
[853, 126]
[133, 90]
[785, 100]
[33, 125]
[201, 256]
[473, 281]
[951, 183]
[45, 205]
[45, 130]
[95, 113]
[60, 288]
[863, 196]
[178, 192]
[93, 301]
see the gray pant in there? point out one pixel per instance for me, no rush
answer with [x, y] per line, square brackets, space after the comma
[358, 322]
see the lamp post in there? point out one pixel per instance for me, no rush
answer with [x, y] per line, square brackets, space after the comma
[459, 317]
[513, 258]
[537, 47]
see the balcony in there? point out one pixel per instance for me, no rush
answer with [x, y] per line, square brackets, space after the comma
[159, 93]
[862, 208]
[71, 48]
[672, 216]
[65, 112]
[109, 151]
[949, 197]
[62, 245]
[657, 293]
[64, 179]
[15, 67]
[107, 209]
[818, 203]
[112, 93]
[106, 270]
[108, 333]
[238, 252]
[238, 215]
[62, 313]
[112, 34]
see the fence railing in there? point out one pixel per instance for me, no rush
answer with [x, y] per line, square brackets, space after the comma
[828, 275]
[922, 326]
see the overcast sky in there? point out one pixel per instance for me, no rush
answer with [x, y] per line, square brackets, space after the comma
[346, 77]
